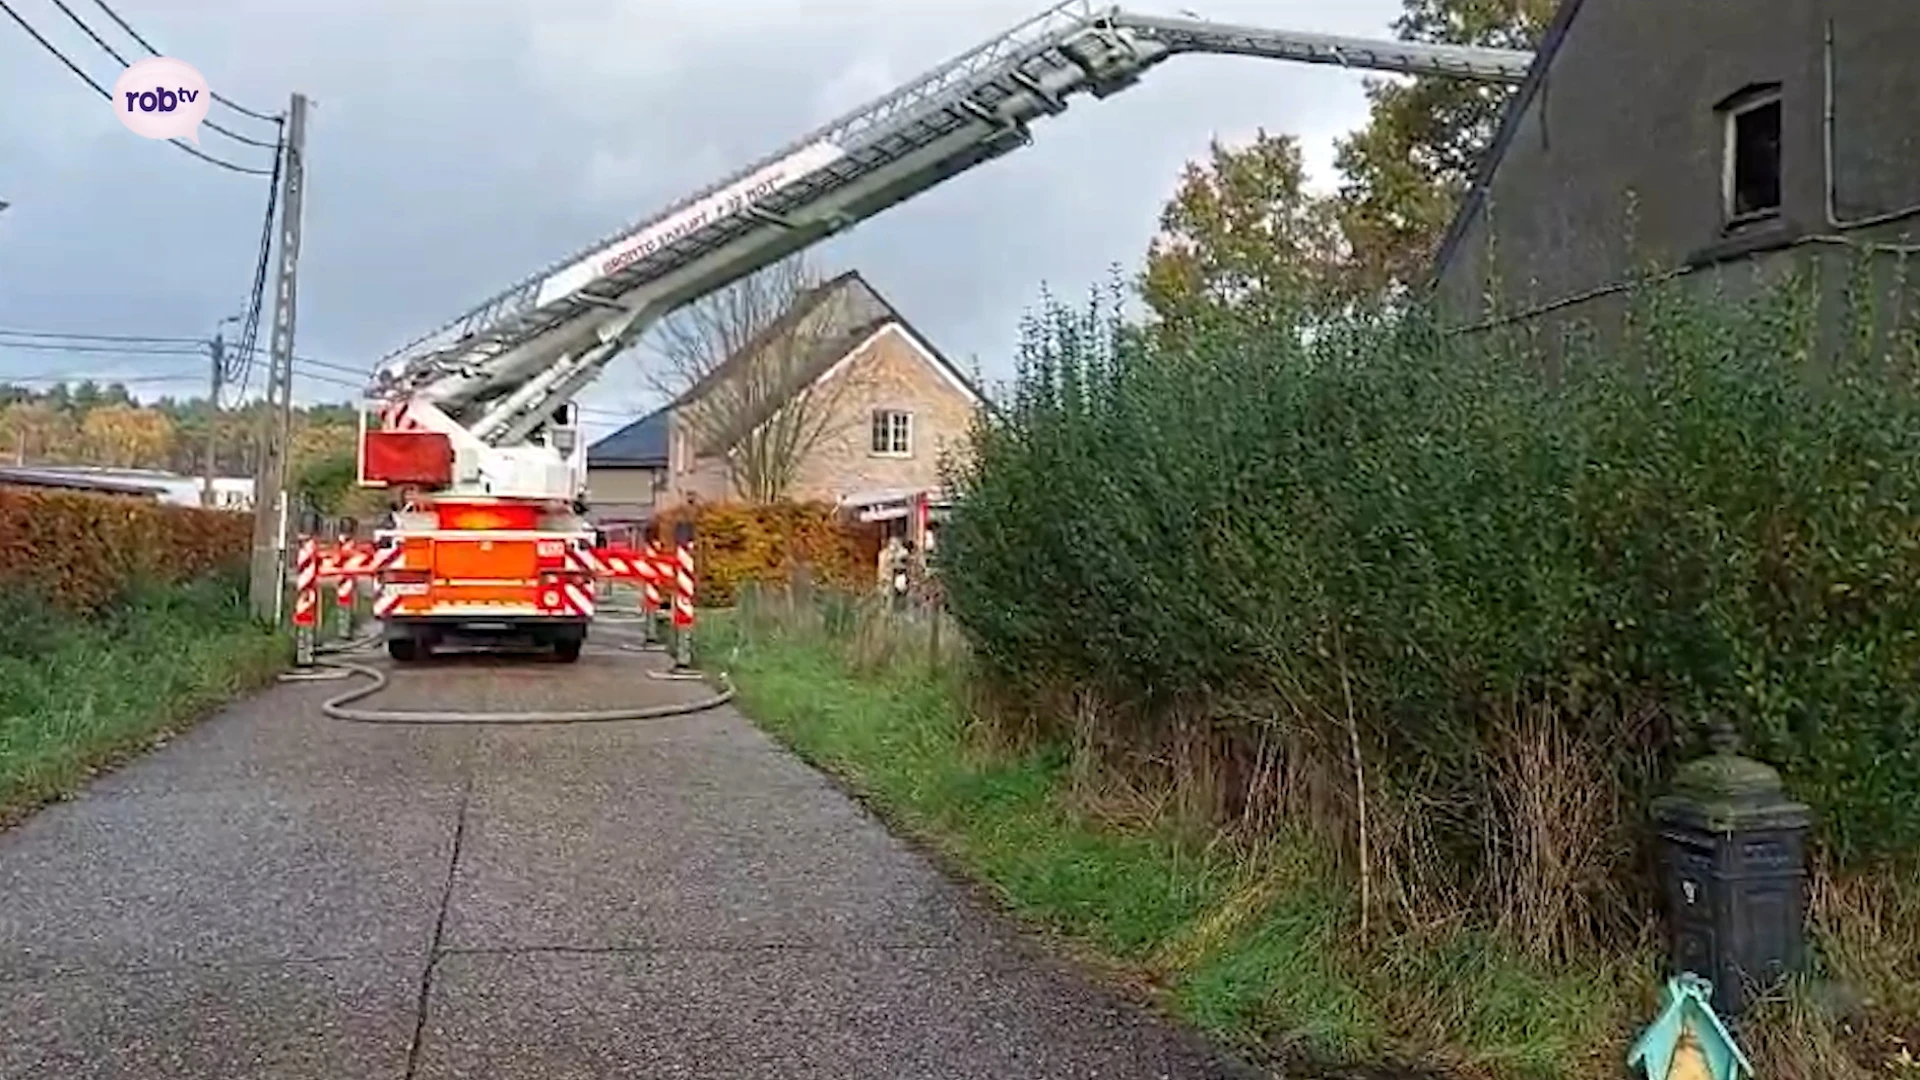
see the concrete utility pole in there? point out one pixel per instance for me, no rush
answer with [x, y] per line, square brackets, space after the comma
[217, 351]
[269, 570]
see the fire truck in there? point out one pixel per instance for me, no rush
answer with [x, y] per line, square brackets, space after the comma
[472, 426]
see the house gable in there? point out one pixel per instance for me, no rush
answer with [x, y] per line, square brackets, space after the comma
[1612, 162]
[1511, 120]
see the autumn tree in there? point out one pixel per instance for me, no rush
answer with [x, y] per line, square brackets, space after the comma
[1242, 229]
[1242, 233]
[1403, 174]
[34, 432]
[744, 364]
[126, 436]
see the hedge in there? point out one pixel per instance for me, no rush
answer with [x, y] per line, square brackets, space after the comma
[84, 551]
[737, 542]
[1385, 540]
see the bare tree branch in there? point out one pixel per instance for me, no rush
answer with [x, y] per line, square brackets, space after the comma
[747, 360]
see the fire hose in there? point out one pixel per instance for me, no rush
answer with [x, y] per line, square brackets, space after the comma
[338, 707]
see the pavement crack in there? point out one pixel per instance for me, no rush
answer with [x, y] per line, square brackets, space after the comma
[439, 928]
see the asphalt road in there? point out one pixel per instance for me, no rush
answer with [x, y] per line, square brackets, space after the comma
[276, 894]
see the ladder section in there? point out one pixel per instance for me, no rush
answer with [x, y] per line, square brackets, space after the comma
[508, 362]
[1402, 57]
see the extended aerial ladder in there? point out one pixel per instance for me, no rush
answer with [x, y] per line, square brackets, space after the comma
[496, 383]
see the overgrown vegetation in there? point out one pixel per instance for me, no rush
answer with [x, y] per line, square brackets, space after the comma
[77, 693]
[1248, 937]
[119, 621]
[1379, 642]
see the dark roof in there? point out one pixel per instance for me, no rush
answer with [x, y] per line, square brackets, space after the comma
[71, 481]
[640, 445]
[1503, 136]
[643, 444]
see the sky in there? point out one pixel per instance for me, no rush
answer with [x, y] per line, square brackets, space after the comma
[456, 146]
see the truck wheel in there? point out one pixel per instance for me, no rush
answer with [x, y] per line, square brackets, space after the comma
[567, 650]
[403, 650]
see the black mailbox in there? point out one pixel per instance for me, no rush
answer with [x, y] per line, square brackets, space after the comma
[1733, 860]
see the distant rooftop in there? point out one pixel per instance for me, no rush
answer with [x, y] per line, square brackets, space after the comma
[105, 481]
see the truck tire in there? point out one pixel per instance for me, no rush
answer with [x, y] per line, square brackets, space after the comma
[567, 649]
[403, 650]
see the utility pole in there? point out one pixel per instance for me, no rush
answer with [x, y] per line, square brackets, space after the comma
[217, 350]
[268, 579]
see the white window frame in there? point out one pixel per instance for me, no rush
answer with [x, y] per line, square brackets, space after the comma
[899, 437]
[1730, 114]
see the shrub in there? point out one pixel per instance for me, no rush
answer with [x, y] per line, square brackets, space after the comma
[81, 552]
[739, 542]
[1372, 556]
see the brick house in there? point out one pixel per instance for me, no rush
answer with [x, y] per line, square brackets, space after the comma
[1719, 144]
[886, 406]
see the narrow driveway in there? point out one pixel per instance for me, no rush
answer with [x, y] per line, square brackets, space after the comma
[277, 895]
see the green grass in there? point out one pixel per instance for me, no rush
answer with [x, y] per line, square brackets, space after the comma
[77, 695]
[1256, 948]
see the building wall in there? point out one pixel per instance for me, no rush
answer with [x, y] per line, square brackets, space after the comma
[623, 486]
[888, 373]
[1616, 166]
[704, 477]
[1617, 160]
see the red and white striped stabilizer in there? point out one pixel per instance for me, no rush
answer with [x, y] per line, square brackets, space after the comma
[683, 587]
[306, 583]
[387, 601]
[343, 591]
[577, 599]
[381, 558]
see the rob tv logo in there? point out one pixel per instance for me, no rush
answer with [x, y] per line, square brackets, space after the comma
[162, 98]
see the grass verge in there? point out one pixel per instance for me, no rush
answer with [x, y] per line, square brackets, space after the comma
[78, 695]
[1253, 944]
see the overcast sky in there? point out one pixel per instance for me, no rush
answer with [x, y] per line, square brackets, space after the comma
[459, 145]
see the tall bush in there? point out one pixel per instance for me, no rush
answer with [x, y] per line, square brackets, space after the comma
[1408, 559]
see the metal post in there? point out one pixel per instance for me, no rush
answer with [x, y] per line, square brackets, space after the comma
[683, 595]
[343, 588]
[306, 602]
[651, 604]
[270, 479]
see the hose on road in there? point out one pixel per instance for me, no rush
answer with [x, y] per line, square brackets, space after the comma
[338, 706]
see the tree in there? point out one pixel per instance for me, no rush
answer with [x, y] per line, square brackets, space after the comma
[33, 432]
[744, 364]
[1405, 172]
[125, 436]
[1242, 233]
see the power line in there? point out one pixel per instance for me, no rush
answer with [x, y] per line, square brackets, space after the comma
[250, 327]
[155, 349]
[135, 35]
[65, 336]
[124, 62]
[105, 93]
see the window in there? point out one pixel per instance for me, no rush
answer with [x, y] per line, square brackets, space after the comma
[892, 433]
[1751, 171]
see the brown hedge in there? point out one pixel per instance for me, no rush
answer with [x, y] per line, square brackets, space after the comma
[81, 550]
[735, 543]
